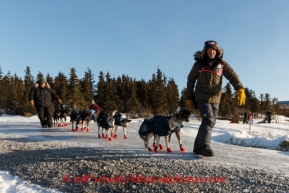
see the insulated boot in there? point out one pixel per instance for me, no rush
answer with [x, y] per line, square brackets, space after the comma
[197, 151]
[207, 151]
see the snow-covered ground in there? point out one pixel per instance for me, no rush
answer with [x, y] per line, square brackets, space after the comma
[231, 143]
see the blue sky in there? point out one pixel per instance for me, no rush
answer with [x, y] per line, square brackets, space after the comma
[137, 37]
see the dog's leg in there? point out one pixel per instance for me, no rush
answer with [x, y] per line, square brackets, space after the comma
[168, 139]
[115, 132]
[144, 140]
[102, 133]
[178, 135]
[83, 128]
[74, 126]
[99, 131]
[87, 125]
[147, 141]
[154, 142]
[157, 143]
[106, 136]
[124, 132]
[109, 134]
[112, 131]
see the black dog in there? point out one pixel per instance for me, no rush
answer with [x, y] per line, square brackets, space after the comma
[164, 126]
[59, 115]
[120, 121]
[106, 123]
[73, 119]
[85, 117]
[56, 117]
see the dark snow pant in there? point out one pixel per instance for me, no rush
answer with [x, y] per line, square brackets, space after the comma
[45, 112]
[208, 113]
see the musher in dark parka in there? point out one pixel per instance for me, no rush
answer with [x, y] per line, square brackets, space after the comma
[204, 89]
[41, 97]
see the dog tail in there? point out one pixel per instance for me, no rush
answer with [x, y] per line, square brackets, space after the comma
[113, 113]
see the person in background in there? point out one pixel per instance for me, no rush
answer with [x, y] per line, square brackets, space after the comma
[245, 117]
[204, 89]
[41, 97]
[269, 116]
[94, 109]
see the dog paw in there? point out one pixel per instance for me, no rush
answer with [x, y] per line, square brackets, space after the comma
[115, 136]
[150, 150]
[182, 149]
[109, 139]
[169, 150]
[102, 135]
[99, 136]
[156, 149]
[87, 130]
[125, 137]
[112, 135]
[154, 144]
[106, 137]
[161, 147]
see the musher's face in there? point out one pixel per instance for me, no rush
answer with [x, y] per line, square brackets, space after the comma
[211, 53]
[43, 84]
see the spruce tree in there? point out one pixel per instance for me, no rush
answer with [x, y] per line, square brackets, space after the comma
[172, 96]
[39, 75]
[86, 88]
[157, 95]
[49, 80]
[61, 86]
[12, 103]
[132, 105]
[183, 98]
[100, 92]
[109, 99]
[227, 107]
[143, 93]
[74, 96]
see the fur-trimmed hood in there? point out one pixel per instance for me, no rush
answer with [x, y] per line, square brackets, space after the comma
[201, 54]
[37, 85]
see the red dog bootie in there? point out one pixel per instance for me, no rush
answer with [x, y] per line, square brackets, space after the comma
[182, 148]
[125, 137]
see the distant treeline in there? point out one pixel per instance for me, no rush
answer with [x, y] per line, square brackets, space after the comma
[159, 95]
